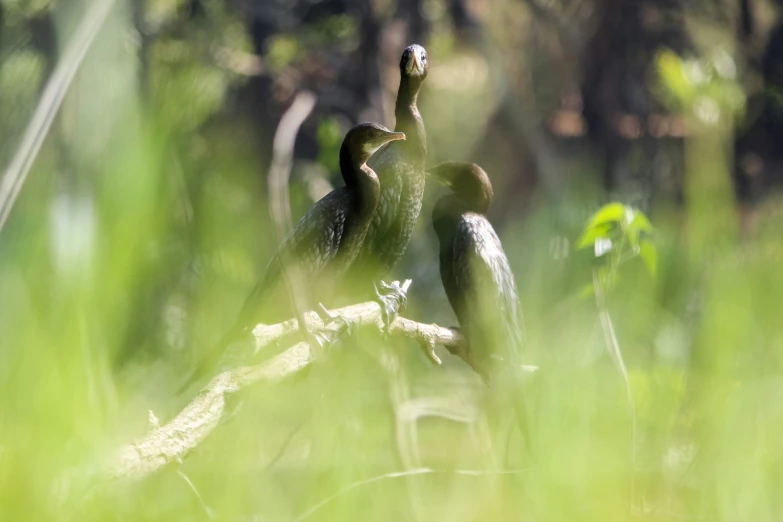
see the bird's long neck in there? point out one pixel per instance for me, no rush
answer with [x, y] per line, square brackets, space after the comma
[408, 119]
[445, 214]
[359, 178]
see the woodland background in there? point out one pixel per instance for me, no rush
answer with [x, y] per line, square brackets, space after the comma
[144, 222]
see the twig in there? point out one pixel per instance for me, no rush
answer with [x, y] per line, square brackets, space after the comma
[175, 440]
[279, 199]
[407, 473]
[207, 510]
[49, 105]
[451, 408]
[613, 345]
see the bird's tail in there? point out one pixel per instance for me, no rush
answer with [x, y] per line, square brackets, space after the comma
[247, 316]
[519, 402]
[511, 385]
[513, 381]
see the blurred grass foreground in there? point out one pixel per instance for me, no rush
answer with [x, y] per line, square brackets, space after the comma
[136, 137]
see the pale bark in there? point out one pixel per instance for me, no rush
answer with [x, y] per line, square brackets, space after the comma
[181, 435]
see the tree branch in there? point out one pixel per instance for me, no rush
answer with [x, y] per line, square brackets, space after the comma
[175, 440]
[279, 199]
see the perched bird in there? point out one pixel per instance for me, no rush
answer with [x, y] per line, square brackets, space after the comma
[478, 280]
[401, 170]
[322, 245]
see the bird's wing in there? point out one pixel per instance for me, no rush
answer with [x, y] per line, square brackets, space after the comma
[491, 310]
[491, 304]
[312, 244]
[315, 239]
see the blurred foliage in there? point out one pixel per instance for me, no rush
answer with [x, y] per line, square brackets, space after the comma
[188, 85]
[329, 142]
[20, 10]
[617, 234]
[20, 71]
[706, 87]
[144, 223]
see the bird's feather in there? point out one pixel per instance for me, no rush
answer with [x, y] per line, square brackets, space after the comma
[312, 244]
[488, 306]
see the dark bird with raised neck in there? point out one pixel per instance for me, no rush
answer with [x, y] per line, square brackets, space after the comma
[401, 170]
[322, 245]
[478, 280]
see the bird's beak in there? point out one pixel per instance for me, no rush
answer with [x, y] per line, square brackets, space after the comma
[440, 176]
[395, 136]
[382, 140]
[391, 136]
[416, 63]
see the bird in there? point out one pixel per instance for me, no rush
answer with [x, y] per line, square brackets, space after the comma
[401, 170]
[478, 281]
[322, 245]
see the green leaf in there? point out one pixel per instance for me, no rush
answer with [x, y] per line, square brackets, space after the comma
[620, 233]
[671, 72]
[603, 224]
[640, 222]
[593, 234]
[611, 212]
[282, 51]
[632, 236]
[649, 254]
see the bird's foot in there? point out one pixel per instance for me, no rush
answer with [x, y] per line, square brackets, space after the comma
[319, 343]
[392, 298]
[322, 340]
[347, 324]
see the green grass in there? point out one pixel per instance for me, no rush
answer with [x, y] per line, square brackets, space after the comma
[90, 345]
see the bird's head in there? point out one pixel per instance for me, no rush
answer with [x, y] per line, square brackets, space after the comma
[467, 181]
[413, 63]
[365, 139]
